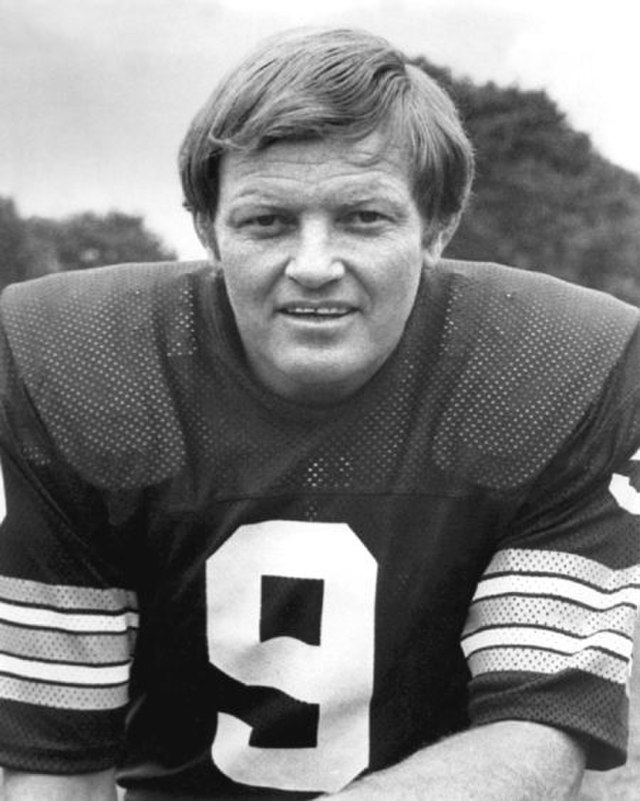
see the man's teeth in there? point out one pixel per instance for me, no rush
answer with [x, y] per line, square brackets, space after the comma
[325, 311]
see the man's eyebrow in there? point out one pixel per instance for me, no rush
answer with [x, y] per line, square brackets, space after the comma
[368, 195]
[258, 193]
[378, 195]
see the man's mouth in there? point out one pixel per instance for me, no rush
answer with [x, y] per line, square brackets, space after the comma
[317, 312]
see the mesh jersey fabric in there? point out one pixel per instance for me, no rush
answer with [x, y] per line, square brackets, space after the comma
[302, 577]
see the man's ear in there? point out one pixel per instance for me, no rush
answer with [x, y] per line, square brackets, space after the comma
[207, 235]
[436, 240]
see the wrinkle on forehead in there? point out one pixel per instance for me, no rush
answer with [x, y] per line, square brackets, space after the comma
[377, 148]
[364, 166]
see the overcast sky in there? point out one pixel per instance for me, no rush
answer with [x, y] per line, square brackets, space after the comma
[95, 95]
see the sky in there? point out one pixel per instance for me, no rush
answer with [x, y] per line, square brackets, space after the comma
[96, 95]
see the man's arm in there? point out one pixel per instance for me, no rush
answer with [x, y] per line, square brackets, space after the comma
[505, 761]
[39, 787]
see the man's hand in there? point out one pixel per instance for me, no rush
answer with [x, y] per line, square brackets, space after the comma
[40, 787]
[506, 761]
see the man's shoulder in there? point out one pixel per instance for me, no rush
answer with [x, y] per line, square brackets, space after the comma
[476, 284]
[94, 287]
[93, 351]
[534, 311]
[99, 309]
[524, 357]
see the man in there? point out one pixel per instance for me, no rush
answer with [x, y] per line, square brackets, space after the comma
[369, 510]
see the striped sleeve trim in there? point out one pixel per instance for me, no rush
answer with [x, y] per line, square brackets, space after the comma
[521, 659]
[549, 640]
[81, 622]
[556, 564]
[65, 646]
[63, 696]
[559, 588]
[85, 649]
[64, 596]
[64, 672]
[544, 611]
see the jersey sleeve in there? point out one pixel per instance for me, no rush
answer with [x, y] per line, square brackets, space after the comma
[67, 616]
[549, 636]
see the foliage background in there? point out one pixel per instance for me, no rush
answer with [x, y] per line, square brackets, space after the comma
[35, 246]
[544, 199]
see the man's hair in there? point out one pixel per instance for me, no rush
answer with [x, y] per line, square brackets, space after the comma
[302, 86]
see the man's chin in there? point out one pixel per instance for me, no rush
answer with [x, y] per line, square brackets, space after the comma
[320, 382]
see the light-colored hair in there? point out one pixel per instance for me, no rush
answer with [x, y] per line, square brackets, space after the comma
[344, 83]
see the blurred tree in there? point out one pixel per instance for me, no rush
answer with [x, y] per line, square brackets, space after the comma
[30, 247]
[93, 240]
[14, 244]
[543, 197]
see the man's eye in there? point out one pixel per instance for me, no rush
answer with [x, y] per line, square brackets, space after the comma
[264, 223]
[365, 217]
[265, 220]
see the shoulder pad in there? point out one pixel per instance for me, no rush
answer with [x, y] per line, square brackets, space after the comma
[523, 357]
[91, 349]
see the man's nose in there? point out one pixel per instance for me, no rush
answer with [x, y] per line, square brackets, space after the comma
[315, 261]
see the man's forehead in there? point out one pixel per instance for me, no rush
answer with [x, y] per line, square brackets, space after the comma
[368, 161]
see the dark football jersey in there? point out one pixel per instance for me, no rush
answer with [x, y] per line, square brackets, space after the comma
[316, 592]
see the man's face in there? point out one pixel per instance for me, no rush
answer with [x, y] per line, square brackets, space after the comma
[322, 247]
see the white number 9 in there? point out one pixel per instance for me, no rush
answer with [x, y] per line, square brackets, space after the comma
[337, 674]
[626, 496]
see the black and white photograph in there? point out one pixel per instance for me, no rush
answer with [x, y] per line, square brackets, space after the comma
[319, 400]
